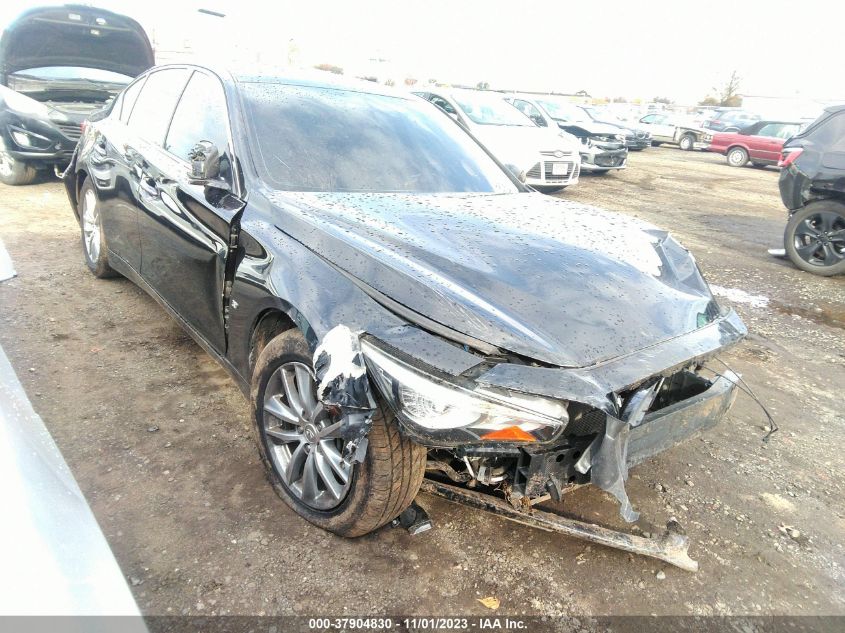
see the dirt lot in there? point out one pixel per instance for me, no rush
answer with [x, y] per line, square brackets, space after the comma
[157, 436]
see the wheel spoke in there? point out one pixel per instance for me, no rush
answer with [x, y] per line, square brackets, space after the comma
[305, 385]
[275, 407]
[291, 393]
[826, 221]
[309, 478]
[325, 471]
[831, 257]
[295, 463]
[329, 431]
[335, 459]
[805, 228]
[285, 435]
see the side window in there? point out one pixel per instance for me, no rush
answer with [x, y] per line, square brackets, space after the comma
[770, 129]
[154, 107]
[200, 116]
[831, 133]
[128, 99]
[444, 105]
[528, 109]
[648, 119]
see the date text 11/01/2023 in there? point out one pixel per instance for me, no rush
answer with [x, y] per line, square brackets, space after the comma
[418, 623]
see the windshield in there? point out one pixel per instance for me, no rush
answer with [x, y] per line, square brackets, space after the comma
[490, 109]
[563, 110]
[329, 139]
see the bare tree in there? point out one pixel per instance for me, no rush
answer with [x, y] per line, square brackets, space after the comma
[730, 93]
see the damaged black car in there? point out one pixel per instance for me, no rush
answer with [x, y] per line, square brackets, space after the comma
[391, 299]
[58, 65]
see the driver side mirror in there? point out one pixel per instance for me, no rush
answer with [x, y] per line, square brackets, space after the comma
[205, 166]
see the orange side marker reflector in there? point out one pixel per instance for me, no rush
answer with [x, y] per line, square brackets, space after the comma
[510, 434]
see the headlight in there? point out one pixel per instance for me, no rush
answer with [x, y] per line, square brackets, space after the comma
[586, 142]
[28, 140]
[21, 103]
[445, 413]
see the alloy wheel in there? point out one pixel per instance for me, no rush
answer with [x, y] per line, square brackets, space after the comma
[91, 225]
[302, 441]
[820, 239]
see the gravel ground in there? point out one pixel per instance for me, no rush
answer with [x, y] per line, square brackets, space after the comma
[158, 438]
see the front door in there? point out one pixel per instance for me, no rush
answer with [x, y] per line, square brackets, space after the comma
[185, 227]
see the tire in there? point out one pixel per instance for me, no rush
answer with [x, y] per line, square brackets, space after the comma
[380, 487]
[809, 253]
[93, 238]
[687, 142]
[737, 157]
[15, 172]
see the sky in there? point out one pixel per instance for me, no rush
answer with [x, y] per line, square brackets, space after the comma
[635, 49]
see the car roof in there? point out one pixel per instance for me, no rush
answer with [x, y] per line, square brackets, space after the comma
[293, 77]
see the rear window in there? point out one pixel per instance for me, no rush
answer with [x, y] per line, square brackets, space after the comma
[829, 131]
[327, 139]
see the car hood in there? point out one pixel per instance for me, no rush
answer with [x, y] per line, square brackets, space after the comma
[591, 128]
[75, 35]
[521, 145]
[558, 282]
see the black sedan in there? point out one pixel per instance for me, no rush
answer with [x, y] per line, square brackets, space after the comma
[390, 298]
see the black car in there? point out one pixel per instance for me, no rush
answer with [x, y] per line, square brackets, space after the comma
[389, 296]
[812, 187]
[57, 66]
[730, 120]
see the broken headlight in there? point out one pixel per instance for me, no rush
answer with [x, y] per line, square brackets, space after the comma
[446, 413]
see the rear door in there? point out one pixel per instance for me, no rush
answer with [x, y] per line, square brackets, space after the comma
[118, 206]
[767, 143]
[185, 227]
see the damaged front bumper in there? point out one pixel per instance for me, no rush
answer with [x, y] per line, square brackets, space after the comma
[676, 423]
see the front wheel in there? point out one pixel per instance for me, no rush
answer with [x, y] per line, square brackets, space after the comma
[15, 172]
[303, 455]
[815, 238]
[687, 142]
[737, 157]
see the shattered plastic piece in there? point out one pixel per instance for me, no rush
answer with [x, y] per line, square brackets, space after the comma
[342, 382]
[490, 602]
[607, 457]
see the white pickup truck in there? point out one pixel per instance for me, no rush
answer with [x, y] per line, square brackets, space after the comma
[673, 130]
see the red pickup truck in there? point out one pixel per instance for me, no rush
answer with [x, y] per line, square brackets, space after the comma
[759, 143]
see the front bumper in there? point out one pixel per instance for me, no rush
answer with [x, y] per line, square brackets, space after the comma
[542, 174]
[50, 142]
[597, 159]
[664, 428]
[638, 142]
[543, 469]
